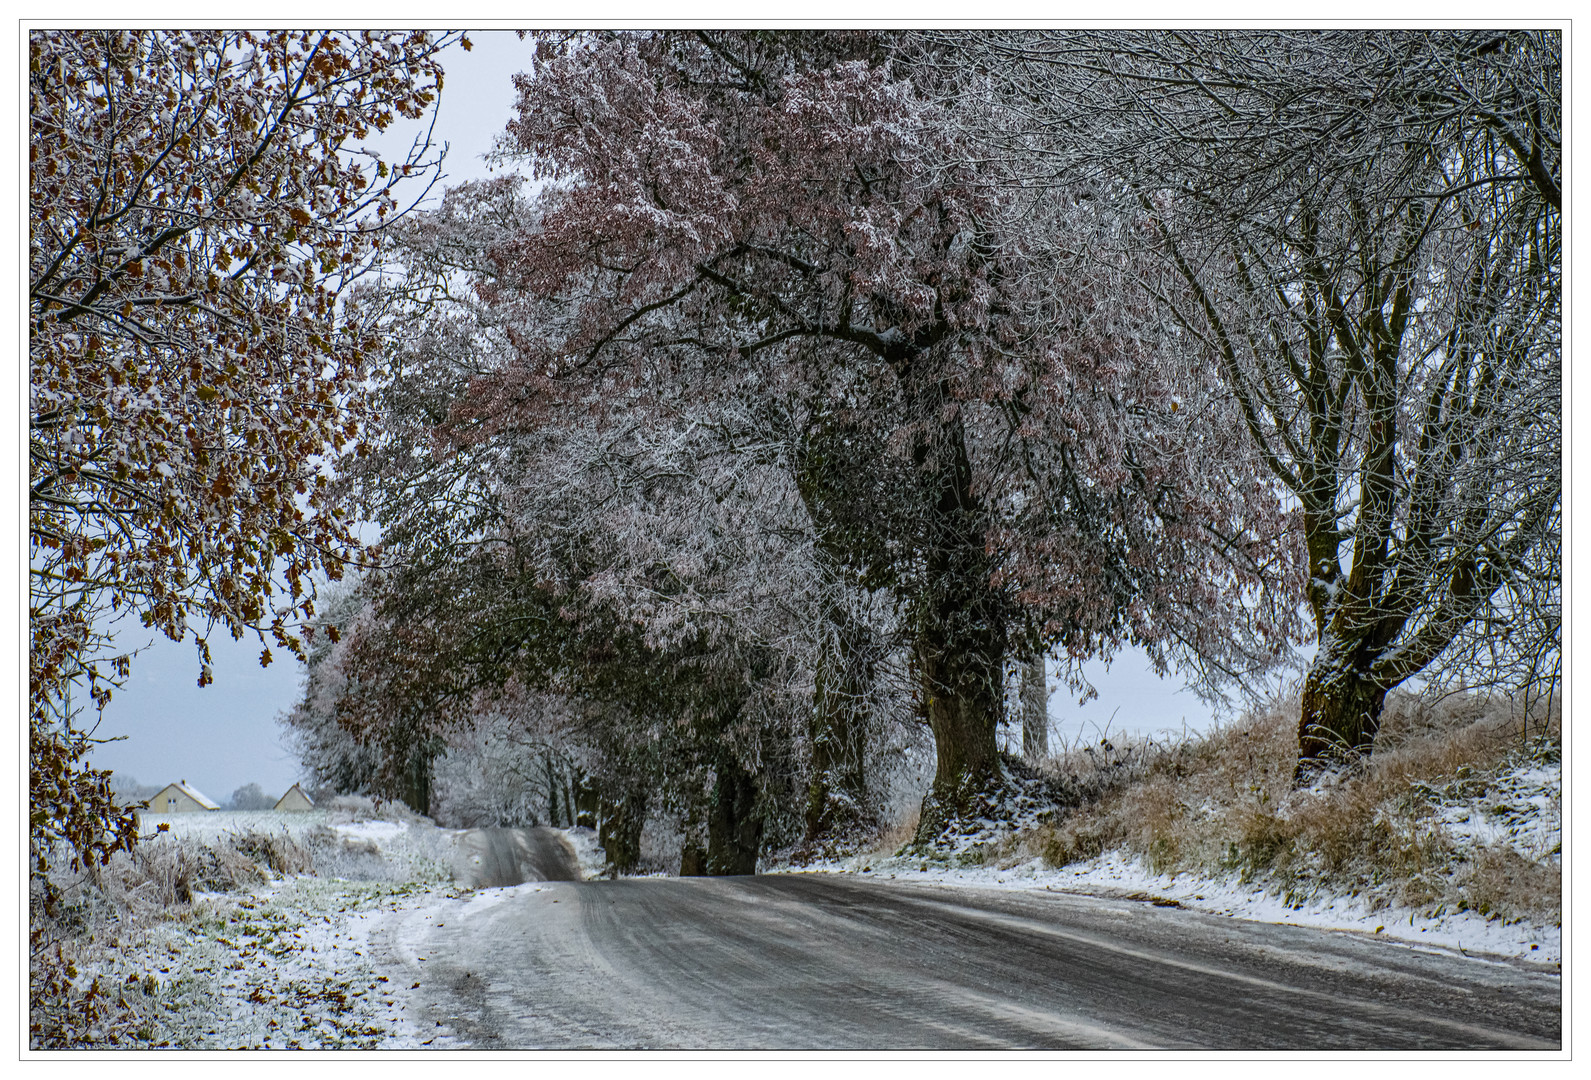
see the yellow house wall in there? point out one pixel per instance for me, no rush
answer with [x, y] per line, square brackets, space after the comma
[173, 801]
[294, 800]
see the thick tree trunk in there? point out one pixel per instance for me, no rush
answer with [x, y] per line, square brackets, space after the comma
[1035, 711]
[734, 827]
[960, 639]
[620, 830]
[1340, 712]
[963, 704]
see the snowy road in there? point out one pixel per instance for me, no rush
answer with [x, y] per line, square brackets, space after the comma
[809, 961]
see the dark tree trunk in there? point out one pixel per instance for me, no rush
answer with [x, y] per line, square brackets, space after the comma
[620, 832]
[960, 637]
[963, 713]
[734, 827]
[1340, 713]
[693, 840]
[1035, 711]
[414, 785]
[586, 802]
[552, 790]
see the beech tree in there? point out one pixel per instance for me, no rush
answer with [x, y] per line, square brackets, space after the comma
[1362, 232]
[198, 213]
[791, 215]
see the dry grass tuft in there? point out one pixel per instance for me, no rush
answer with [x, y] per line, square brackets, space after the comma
[1225, 804]
[902, 833]
[163, 873]
[1503, 883]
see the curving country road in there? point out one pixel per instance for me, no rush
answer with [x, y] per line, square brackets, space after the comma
[813, 961]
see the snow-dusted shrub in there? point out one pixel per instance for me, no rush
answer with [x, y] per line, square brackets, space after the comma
[351, 858]
[364, 808]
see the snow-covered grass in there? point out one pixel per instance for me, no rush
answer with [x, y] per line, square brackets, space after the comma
[260, 929]
[589, 855]
[288, 965]
[1449, 835]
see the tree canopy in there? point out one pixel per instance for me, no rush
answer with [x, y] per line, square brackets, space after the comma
[1362, 233]
[969, 413]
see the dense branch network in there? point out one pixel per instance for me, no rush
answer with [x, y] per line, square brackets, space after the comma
[198, 219]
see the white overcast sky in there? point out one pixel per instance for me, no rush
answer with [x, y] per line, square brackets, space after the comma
[226, 735]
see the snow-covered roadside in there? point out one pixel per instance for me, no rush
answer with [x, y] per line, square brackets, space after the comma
[323, 962]
[290, 965]
[305, 961]
[1520, 810]
[1112, 875]
[589, 855]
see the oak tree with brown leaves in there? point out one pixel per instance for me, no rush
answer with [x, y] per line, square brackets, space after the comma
[199, 211]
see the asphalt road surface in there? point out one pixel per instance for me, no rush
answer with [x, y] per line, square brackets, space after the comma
[486, 858]
[810, 961]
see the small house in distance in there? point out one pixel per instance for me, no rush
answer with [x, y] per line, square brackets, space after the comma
[294, 799]
[179, 798]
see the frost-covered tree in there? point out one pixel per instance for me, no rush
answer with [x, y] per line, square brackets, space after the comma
[250, 797]
[511, 767]
[988, 429]
[605, 557]
[334, 762]
[197, 214]
[653, 577]
[1360, 230]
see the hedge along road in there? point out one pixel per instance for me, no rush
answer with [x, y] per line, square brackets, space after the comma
[813, 961]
